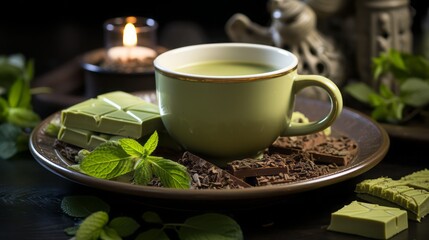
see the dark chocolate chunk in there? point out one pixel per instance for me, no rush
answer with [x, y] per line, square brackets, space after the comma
[324, 149]
[278, 168]
[205, 175]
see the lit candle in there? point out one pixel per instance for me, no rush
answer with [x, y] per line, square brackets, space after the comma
[130, 50]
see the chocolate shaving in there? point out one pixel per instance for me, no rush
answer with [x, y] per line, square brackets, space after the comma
[205, 175]
[278, 168]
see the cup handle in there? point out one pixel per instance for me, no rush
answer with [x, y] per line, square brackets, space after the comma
[336, 100]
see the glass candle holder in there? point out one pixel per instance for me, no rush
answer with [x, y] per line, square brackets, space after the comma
[130, 43]
[126, 61]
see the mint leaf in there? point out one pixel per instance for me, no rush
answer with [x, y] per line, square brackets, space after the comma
[131, 147]
[415, 92]
[171, 174]
[22, 117]
[124, 226]
[108, 233]
[83, 206]
[143, 174]
[92, 226]
[19, 95]
[107, 160]
[151, 217]
[359, 91]
[151, 144]
[210, 226]
[153, 234]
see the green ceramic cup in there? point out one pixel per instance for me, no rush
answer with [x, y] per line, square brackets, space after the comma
[224, 116]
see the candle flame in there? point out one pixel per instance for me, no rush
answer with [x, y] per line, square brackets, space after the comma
[130, 35]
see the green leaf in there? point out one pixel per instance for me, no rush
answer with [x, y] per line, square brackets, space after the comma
[4, 108]
[151, 217]
[143, 174]
[92, 226]
[171, 174]
[151, 144]
[8, 75]
[210, 226]
[124, 226]
[131, 147]
[153, 234]
[22, 117]
[359, 91]
[386, 92]
[107, 160]
[83, 206]
[19, 94]
[29, 70]
[108, 233]
[415, 92]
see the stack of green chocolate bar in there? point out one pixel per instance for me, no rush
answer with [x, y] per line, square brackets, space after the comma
[410, 193]
[108, 116]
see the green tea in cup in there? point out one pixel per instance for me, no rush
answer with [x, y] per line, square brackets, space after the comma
[227, 101]
[226, 68]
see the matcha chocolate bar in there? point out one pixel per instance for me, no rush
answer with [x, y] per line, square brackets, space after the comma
[369, 220]
[114, 113]
[401, 193]
[419, 179]
[83, 138]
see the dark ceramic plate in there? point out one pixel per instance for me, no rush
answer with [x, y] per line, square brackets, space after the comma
[373, 143]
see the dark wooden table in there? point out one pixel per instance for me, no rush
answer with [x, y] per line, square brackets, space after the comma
[30, 197]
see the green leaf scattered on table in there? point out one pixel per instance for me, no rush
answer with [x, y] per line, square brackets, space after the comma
[96, 224]
[119, 157]
[409, 95]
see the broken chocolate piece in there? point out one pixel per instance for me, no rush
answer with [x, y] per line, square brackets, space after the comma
[205, 175]
[324, 149]
[277, 168]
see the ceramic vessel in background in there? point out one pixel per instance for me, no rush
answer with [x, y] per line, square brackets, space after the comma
[381, 25]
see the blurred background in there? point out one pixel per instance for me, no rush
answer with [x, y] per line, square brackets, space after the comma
[54, 34]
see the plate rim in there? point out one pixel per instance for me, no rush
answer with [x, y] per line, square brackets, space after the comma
[261, 192]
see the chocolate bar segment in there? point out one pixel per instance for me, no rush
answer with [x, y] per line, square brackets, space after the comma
[83, 138]
[398, 192]
[114, 113]
[369, 220]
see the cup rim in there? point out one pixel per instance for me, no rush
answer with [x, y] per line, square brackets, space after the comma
[161, 69]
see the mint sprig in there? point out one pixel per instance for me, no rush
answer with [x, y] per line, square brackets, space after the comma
[406, 98]
[97, 224]
[119, 157]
